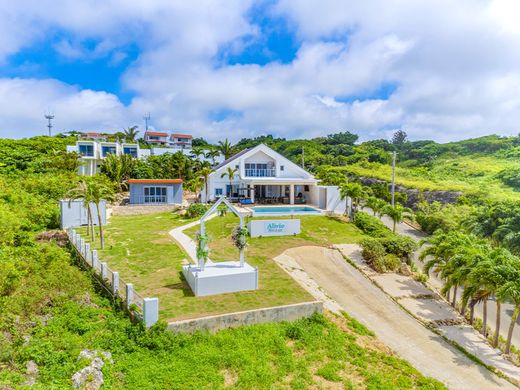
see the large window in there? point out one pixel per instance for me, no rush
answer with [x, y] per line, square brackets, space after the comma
[218, 191]
[259, 170]
[86, 150]
[154, 194]
[106, 150]
[132, 151]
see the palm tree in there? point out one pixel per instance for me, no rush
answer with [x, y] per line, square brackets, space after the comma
[197, 151]
[204, 173]
[443, 247]
[131, 133]
[377, 205]
[225, 148]
[231, 173]
[100, 191]
[212, 154]
[510, 291]
[82, 192]
[486, 277]
[397, 213]
[119, 169]
[354, 191]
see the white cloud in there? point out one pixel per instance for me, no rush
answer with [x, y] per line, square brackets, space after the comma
[455, 65]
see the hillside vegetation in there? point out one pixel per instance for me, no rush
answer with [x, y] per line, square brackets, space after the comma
[51, 310]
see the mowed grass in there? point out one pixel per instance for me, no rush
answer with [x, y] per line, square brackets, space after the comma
[316, 230]
[140, 248]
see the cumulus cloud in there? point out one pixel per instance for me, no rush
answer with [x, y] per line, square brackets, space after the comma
[453, 67]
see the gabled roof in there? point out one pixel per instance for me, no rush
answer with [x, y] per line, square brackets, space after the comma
[226, 162]
[156, 134]
[267, 150]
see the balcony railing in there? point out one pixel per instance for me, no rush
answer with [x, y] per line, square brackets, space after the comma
[261, 172]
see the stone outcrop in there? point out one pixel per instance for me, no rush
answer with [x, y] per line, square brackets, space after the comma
[91, 377]
[415, 195]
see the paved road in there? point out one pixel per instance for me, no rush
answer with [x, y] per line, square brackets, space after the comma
[506, 309]
[426, 351]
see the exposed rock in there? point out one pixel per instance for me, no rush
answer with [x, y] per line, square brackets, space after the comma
[86, 300]
[91, 377]
[414, 196]
[405, 270]
[92, 354]
[58, 236]
[32, 373]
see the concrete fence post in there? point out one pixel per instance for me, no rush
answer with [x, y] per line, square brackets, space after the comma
[94, 259]
[73, 237]
[76, 240]
[150, 311]
[81, 247]
[103, 270]
[129, 294]
[115, 283]
[87, 253]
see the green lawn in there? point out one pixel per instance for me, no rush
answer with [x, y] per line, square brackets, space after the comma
[141, 250]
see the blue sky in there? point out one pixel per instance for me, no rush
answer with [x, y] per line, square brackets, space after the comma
[243, 68]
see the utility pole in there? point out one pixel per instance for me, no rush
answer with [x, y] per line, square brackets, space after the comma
[393, 178]
[49, 118]
[146, 120]
[303, 157]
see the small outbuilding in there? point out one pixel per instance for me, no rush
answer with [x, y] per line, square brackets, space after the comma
[155, 191]
[74, 214]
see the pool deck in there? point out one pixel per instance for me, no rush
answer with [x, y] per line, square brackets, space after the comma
[286, 210]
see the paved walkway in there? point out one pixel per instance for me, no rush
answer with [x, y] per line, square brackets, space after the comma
[428, 307]
[358, 296]
[186, 242]
[506, 308]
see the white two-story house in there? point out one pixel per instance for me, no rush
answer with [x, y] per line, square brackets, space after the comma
[92, 153]
[262, 175]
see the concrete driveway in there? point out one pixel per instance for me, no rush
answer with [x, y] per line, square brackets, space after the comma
[426, 351]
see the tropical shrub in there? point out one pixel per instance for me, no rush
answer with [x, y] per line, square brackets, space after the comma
[372, 250]
[196, 210]
[399, 246]
[370, 225]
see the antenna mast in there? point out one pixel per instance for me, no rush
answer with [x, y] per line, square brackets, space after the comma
[303, 157]
[49, 118]
[146, 120]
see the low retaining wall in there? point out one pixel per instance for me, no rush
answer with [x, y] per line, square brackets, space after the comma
[250, 317]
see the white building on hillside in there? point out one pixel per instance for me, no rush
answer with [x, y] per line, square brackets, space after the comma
[265, 176]
[92, 153]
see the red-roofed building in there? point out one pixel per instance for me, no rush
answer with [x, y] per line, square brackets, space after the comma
[156, 137]
[182, 141]
[93, 135]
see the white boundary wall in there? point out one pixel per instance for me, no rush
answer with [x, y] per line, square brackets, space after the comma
[149, 306]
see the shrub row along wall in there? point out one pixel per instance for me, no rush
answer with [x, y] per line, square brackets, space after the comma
[249, 317]
[148, 307]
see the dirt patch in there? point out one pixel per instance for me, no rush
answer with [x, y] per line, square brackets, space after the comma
[230, 378]
[142, 209]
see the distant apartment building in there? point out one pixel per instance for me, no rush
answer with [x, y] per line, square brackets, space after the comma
[93, 136]
[157, 138]
[92, 153]
[181, 141]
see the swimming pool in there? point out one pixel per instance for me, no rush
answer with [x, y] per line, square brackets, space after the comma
[284, 210]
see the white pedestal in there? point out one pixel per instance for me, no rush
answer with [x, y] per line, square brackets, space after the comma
[219, 278]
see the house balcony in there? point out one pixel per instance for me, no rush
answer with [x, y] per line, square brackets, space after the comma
[261, 172]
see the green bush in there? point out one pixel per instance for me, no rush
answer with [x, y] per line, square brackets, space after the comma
[391, 262]
[400, 246]
[372, 250]
[376, 256]
[370, 225]
[196, 210]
